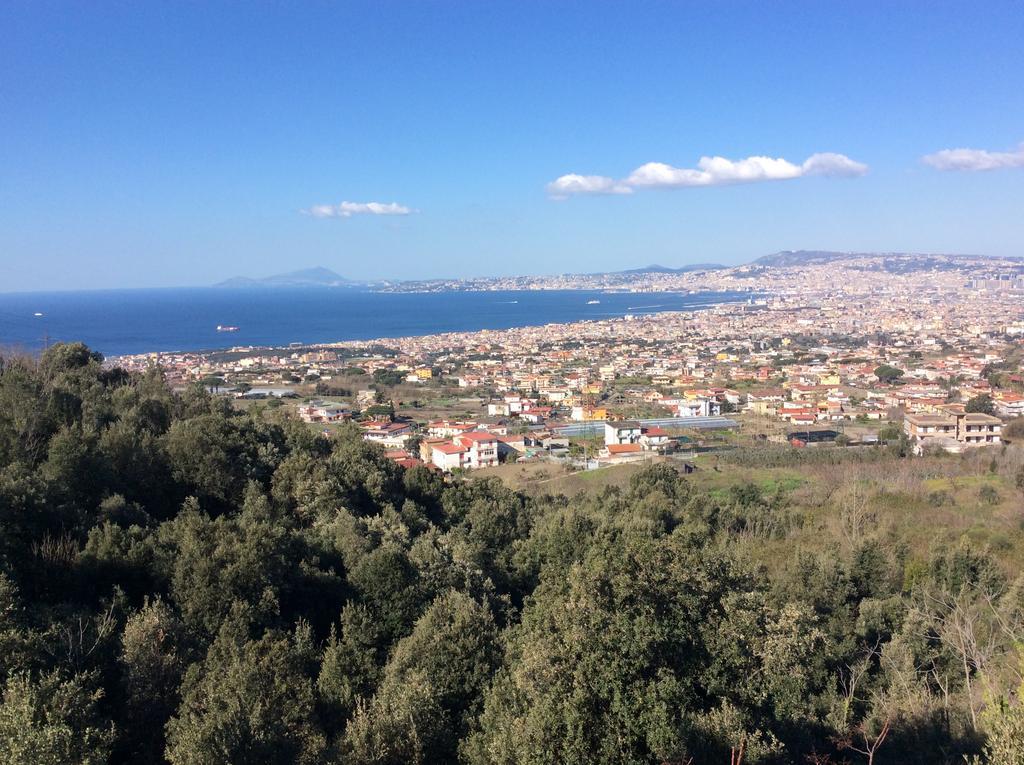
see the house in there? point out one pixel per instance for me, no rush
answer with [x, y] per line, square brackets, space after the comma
[403, 458]
[547, 441]
[448, 456]
[654, 439]
[511, 447]
[979, 429]
[765, 401]
[554, 394]
[482, 448]
[427, 448]
[702, 406]
[468, 451]
[1009, 404]
[389, 434]
[495, 425]
[448, 428]
[621, 432]
[319, 411]
[536, 414]
[952, 430]
[589, 413]
[622, 452]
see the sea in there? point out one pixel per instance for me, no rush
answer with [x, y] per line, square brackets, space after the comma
[123, 322]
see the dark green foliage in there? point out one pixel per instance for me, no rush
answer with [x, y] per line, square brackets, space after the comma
[53, 721]
[250, 701]
[388, 377]
[988, 495]
[981, 403]
[186, 583]
[887, 373]
[155, 653]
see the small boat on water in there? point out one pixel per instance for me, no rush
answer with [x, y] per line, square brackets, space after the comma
[593, 302]
[226, 328]
[37, 313]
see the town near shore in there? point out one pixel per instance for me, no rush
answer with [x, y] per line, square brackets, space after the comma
[829, 350]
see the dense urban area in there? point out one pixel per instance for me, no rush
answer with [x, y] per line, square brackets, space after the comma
[788, 529]
[829, 349]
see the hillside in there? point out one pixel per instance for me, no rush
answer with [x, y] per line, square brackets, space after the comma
[161, 552]
[654, 268]
[891, 262]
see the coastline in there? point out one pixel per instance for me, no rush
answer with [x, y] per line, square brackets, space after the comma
[178, 321]
[655, 326]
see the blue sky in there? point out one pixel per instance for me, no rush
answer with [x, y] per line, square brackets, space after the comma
[159, 144]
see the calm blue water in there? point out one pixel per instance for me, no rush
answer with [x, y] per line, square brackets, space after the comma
[118, 322]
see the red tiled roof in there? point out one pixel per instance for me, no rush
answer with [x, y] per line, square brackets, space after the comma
[479, 435]
[447, 448]
[624, 448]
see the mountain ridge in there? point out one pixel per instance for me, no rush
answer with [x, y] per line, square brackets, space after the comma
[891, 262]
[317, 276]
[656, 268]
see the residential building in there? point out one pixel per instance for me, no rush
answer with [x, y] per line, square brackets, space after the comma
[952, 430]
[320, 411]
[469, 451]
[389, 434]
[622, 432]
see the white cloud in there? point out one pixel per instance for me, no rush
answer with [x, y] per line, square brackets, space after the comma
[834, 165]
[348, 209]
[975, 159]
[710, 171]
[570, 184]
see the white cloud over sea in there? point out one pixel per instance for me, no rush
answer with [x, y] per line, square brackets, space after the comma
[348, 209]
[973, 160]
[710, 171]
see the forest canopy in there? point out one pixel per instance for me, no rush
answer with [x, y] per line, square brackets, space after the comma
[183, 582]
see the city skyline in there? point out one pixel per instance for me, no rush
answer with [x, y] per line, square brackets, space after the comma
[149, 147]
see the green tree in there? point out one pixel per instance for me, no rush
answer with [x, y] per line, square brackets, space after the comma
[608, 664]
[388, 377]
[1003, 721]
[209, 564]
[448, 659]
[154, 656]
[981, 404]
[53, 721]
[400, 726]
[888, 374]
[249, 702]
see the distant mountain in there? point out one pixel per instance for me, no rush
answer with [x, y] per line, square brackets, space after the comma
[654, 268]
[887, 261]
[790, 258]
[306, 277]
